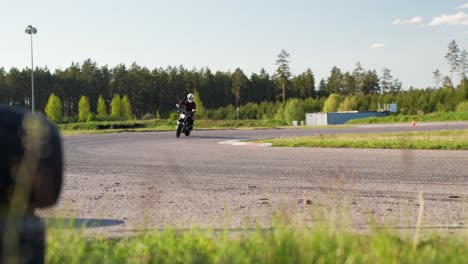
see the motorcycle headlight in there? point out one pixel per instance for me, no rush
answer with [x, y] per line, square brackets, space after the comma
[182, 115]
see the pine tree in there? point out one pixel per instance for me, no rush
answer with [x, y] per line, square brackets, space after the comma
[453, 58]
[101, 109]
[236, 86]
[437, 78]
[370, 83]
[84, 110]
[358, 74]
[322, 92]
[335, 81]
[126, 108]
[386, 81]
[349, 84]
[116, 107]
[308, 89]
[53, 108]
[283, 73]
[463, 64]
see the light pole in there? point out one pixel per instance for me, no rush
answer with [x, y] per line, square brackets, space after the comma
[31, 30]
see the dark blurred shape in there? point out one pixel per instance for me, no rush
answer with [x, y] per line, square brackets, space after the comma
[31, 174]
[30, 241]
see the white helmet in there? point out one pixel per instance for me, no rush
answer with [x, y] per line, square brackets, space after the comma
[190, 97]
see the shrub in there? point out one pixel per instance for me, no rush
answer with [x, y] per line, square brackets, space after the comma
[294, 110]
[332, 103]
[84, 110]
[172, 116]
[126, 109]
[462, 107]
[101, 109]
[148, 116]
[199, 103]
[91, 118]
[312, 105]
[53, 108]
[348, 104]
[248, 111]
[116, 107]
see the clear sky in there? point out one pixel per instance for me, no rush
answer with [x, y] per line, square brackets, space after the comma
[410, 37]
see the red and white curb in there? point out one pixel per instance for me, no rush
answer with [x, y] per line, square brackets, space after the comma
[244, 143]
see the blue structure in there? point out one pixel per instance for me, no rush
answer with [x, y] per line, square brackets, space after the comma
[339, 118]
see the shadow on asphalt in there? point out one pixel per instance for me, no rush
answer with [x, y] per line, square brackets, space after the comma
[214, 137]
[80, 222]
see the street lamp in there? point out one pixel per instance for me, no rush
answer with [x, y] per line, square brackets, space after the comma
[31, 30]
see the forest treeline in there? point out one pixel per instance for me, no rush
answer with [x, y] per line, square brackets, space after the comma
[155, 91]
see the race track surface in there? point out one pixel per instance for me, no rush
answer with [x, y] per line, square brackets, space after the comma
[133, 181]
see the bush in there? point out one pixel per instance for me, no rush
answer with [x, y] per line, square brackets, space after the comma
[231, 113]
[84, 110]
[53, 108]
[312, 105]
[68, 119]
[199, 103]
[462, 107]
[126, 108]
[101, 109]
[91, 118]
[116, 107]
[294, 110]
[148, 116]
[332, 103]
[172, 116]
[348, 104]
[248, 111]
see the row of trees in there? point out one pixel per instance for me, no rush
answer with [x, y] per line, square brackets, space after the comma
[120, 109]
[410, 102]
[457, 61]
[157, 90]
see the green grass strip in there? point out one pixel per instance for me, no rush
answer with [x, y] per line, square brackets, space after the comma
[161, 125]
[432, 117]
[443, 140]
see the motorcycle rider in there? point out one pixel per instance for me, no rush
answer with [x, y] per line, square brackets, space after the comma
[190, 107]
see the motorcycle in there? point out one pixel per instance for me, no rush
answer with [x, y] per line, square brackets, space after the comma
[183, 124]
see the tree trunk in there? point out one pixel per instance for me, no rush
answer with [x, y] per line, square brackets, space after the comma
[284, 91]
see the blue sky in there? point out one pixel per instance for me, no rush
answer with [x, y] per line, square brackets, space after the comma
[408, 37]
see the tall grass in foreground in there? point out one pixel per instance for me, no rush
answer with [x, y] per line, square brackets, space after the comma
[281, 244]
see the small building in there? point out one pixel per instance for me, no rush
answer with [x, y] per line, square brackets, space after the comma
[339, 118]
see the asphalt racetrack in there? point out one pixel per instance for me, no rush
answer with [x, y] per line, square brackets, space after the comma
[133, 181]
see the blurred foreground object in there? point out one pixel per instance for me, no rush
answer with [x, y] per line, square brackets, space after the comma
[31, 174]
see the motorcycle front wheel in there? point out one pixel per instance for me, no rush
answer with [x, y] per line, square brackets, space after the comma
[179, 130]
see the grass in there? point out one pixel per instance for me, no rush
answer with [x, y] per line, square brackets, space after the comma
[162, 125]
[97, 127]
[446, 140]
[442, 116]
[280, 244]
